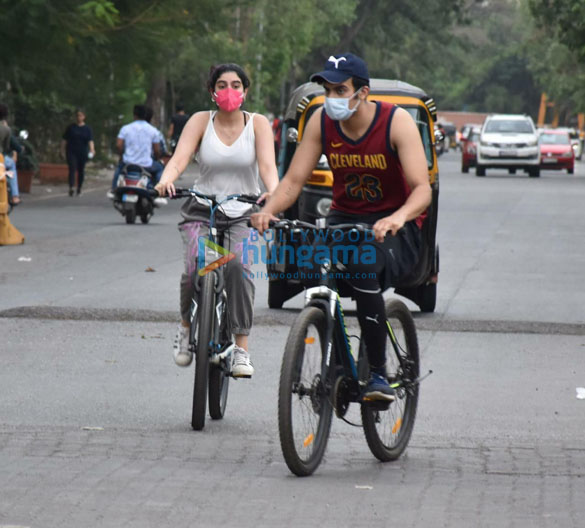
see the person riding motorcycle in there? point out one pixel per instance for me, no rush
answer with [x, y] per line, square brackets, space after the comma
[138, 143]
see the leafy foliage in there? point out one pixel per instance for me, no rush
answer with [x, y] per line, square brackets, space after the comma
[564, 19]
[558, 53]
[107, 55]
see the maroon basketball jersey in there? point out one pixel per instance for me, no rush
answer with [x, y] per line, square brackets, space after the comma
[367, 174]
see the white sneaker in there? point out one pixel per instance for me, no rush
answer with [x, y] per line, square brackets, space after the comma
[160, 201]
[241, 366]
[110, 195]
[183, 356]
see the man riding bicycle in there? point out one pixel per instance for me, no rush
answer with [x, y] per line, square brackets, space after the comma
[380, 177]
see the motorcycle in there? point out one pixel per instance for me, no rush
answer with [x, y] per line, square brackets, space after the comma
[441, 145]
[133, 197]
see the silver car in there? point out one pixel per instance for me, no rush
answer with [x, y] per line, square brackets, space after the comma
[508, 141]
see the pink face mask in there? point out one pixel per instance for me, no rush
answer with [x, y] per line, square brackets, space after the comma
[229, 99]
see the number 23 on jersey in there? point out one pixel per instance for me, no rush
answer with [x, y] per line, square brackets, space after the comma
[363, 187]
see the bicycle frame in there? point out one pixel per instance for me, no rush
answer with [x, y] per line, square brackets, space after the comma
[326, 297]
[219, 351]
[209, 338]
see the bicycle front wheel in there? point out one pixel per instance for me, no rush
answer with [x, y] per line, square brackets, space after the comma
[219, 380]
[304, 407]
[388, 431]
[205, 316]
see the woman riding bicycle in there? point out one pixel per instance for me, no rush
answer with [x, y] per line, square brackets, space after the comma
[380, 177]
[233, 147]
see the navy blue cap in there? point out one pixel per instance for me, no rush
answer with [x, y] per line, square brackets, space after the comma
[341, 67]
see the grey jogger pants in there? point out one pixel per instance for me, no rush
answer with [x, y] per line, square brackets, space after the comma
[239, 285]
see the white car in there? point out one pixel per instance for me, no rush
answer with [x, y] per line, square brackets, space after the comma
[508, 141]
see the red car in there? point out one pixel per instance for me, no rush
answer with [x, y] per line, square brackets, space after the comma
[556, 151]
[469, 150]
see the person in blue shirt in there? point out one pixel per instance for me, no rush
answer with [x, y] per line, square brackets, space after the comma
[138, 143]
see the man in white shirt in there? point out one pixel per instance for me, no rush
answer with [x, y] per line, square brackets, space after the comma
[137, 143]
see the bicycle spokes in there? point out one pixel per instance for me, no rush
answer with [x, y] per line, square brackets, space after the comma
[388, 431]
[304, 410]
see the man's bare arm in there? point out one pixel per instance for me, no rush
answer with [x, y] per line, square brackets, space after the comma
[156, 150]
[303, 162]
[120, 146]
[405, 139]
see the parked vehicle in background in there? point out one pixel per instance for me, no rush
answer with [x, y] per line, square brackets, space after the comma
[466, 131]
[469, 149]
[508, 141]
[441, 140]
[576, 142]
[556, 150]
[451, 133]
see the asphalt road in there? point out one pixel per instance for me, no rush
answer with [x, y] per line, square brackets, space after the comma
[94, 415]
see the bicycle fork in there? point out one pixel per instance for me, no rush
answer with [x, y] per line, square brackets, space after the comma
[327, 300]
[219, 352]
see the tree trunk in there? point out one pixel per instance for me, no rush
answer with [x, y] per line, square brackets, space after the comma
[156, 98]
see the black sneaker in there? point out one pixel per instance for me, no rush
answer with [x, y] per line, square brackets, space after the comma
[378, 389]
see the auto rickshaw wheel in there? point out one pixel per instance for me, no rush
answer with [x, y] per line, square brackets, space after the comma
[427, 297]
[424, 296]
[279, 290]
[276, 293]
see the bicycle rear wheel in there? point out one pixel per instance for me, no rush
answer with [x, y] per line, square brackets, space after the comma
[304, 408]
[388, 431]
[219, 384]
[205, 316]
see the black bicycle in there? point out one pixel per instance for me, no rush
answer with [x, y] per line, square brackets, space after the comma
[319, 373]
[209, 337]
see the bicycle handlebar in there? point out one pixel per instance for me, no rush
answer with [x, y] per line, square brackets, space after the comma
[185, 193]
[299, 224]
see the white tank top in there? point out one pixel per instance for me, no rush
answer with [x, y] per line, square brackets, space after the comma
[228, 170]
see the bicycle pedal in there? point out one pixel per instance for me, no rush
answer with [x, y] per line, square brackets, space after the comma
[239, 377]
[378, 405]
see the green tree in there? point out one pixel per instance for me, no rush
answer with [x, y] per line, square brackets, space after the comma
[564, 20]
[103, 56]
[268, 38]
[558, 54]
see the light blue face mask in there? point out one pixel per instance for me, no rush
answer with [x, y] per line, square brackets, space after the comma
[338, 108]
